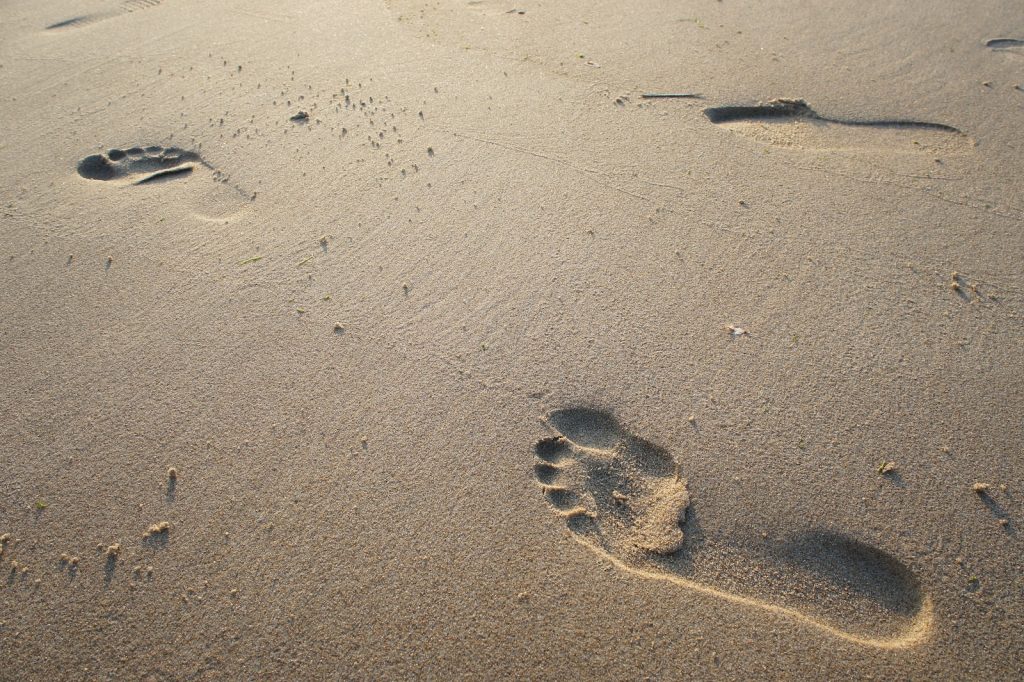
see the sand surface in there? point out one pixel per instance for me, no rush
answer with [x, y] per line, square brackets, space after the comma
[471, 362]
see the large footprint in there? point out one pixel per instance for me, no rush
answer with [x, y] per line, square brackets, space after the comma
[624, 499]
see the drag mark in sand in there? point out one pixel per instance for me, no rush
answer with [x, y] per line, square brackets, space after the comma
[624, 499]
[125, 7]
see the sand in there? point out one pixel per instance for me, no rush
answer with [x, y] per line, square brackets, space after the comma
[472, 362]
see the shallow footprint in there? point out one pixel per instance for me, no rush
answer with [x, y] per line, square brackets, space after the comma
[125, 7]
[794, 124]
[624, 499]
[1005, 45]
[157, 164]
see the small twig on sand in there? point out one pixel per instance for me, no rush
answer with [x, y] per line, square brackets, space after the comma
[672, 95]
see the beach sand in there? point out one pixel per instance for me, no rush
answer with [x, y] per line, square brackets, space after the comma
[444, 353]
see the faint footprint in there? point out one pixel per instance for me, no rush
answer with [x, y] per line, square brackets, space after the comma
[793, 123]
[624, 499]
[798, 108]
[1005, 44]
[123, 8]
[155, 164]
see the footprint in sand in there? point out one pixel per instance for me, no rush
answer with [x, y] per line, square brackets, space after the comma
[156, 164]
[793, 123]
[125, 7]
[139, 165]
[1005, 45]
[625, 499]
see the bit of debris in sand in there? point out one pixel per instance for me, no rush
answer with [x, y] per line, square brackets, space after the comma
[157, 529]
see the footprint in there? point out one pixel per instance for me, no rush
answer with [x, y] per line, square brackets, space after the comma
[139, 165]
[157, 164]
[624, 499]
[798, 108]
[125, 7]
[1004, 44]
[793, 123]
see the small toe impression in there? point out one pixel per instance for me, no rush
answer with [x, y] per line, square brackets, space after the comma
[561, 498]
[552, 448]
[582, 524]
[546, 473]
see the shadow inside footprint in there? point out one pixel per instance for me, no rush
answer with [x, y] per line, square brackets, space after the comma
[856, 567]
[165, 175]
[586, 427]
[623, 498]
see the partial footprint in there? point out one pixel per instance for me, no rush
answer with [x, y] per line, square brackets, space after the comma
[1002, 44]
[156, 164]
[85, 19]
[793, 123]
[623, 498]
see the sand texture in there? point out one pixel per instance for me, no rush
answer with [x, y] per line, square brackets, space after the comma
[393, 339]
